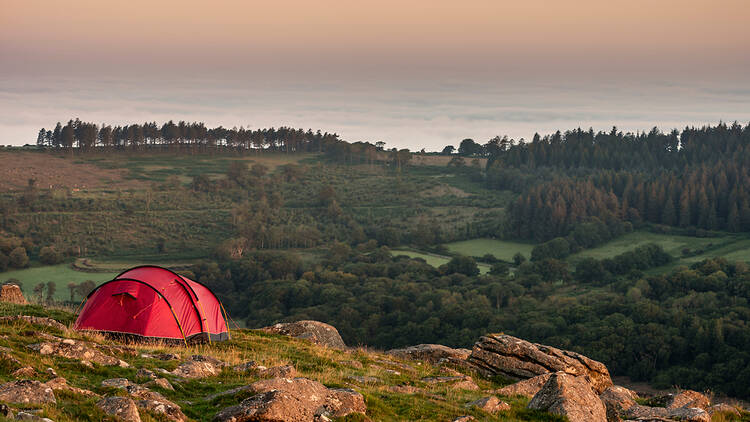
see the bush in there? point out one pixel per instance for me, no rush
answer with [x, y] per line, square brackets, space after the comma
[49, 256]
[4, 261]
[18, 258]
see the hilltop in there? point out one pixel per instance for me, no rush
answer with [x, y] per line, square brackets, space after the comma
[81, 376]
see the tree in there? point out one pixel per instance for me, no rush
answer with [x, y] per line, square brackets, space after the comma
[448, 150]
[18, 258]
[72, 287]
[518, 259]
[51, 289]
[462, 265]
[49, 256]
[468, 147]
[237, 172]
[500, 268]
[39, 291]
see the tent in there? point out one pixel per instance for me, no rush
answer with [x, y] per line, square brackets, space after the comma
[150, 302]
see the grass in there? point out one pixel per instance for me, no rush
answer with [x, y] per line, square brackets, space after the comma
[501, 249]
[434, 402]
[435, 260]
[60, 274]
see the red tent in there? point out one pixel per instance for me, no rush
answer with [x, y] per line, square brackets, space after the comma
[154, 303]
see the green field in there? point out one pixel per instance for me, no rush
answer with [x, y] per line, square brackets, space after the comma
[501, 249]
[60, 274]
[435, 260]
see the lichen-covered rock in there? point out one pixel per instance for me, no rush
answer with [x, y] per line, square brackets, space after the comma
[25, 372]
[617, 400]
[123, 408]
[26, 392]
[116, 382]
[687, 398]
[645, 412]
[689, 414]
[528, 387]
[489, 404]
[77, 350]
[61, 384]
[500, 354]
[245, 366]
[315, 331]
[155, 402]
[463, 382]
[569, 396]
[724, 408]
[12, 293]
[48, 322]
[433, 353]
[160, 382]
[283, 371]
[298, 399]
[145, 373]
[198, 368]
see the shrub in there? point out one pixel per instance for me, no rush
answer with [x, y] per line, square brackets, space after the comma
[18, 258]
[49, 256]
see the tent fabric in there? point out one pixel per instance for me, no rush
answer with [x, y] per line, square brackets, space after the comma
[154, 302]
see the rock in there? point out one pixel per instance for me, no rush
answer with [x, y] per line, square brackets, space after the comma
[314, 331]
[527, 388]
[245, 367]
[6, 356]
[28, 416]
[155, 402]
[25, 372]
[160, 382]
[617, 400]
[364, 379]
[687, 398]
[199, 367]
[27, 392]
[284, 371]
[500, 354]
[117, 383]
[122, 408]
[689, 414]
[12, 293]
[61, 384]
[489, 404]
[432, 353]
[569, 396]
[723, 408]
[48, 322]
[145, 373]
[457, 383]
[51, 372]
[467, 384]
[298, 399]
[353, 363]
[77, 350]
[466, 418]
[645, 412]
[5, 411]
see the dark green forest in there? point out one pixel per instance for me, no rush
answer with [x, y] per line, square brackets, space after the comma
[316, 239]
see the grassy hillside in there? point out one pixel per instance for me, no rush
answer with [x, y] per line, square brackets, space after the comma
[432, 402]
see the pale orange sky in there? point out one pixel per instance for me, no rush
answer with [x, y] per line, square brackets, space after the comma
[340, 55]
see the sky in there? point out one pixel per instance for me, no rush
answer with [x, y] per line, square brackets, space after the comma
[416, 74]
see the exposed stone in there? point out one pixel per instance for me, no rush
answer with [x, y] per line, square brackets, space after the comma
[145, 373]
[12, 293]
[353, 363]
[5, 411]
[570, 396]
[314, 331]
[123, 408]
[432, 353]
[77, 350]
[687, 398]
[724, 408]
[25, 372]
[61, 384]
[160, 382]
[500, 354]
[28, 416]
[246, 366]
[527, 388]
[364, 379]
[284, 371]
[467, 418]
[51, 372]
[489, 404]
[457, 383]
[298, 399]
[27, 392]
[155, 402]
[48, 322]
[198, 367]
[689, 414]
[617, 400]
[6, 356]
[116, 383]
[645, 412]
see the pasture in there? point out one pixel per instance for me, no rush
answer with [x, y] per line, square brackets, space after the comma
[501, 249]
[60, 274]
[434, 259]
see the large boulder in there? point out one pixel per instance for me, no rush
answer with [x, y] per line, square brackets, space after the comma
[528, 387]
[26, 392]
[433, 353]
[569, 396]
[689, 414]
[617, 400]
[155, 402]
[199, 366]
[314, 331]
[12, 293]
[298, 399]
[687, 398]
[489, 404]
[500, 354]
[122, 408]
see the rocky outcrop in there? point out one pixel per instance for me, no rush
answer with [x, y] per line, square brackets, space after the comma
[199, 366]
[122, 408]
[689, 414]
[161, 383]
[645, 412]
[687, 398]
[489, 404]
[61, 384]
[317, 332]
[155, 402]
[527, 388]
[569, 396]
[48, 322]
[500, 354]
[724, 408]
[463, 382]
[12, 293]
[617, 400]
[26, 392]
[433, 353]
[298, 399]
[77, 350]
